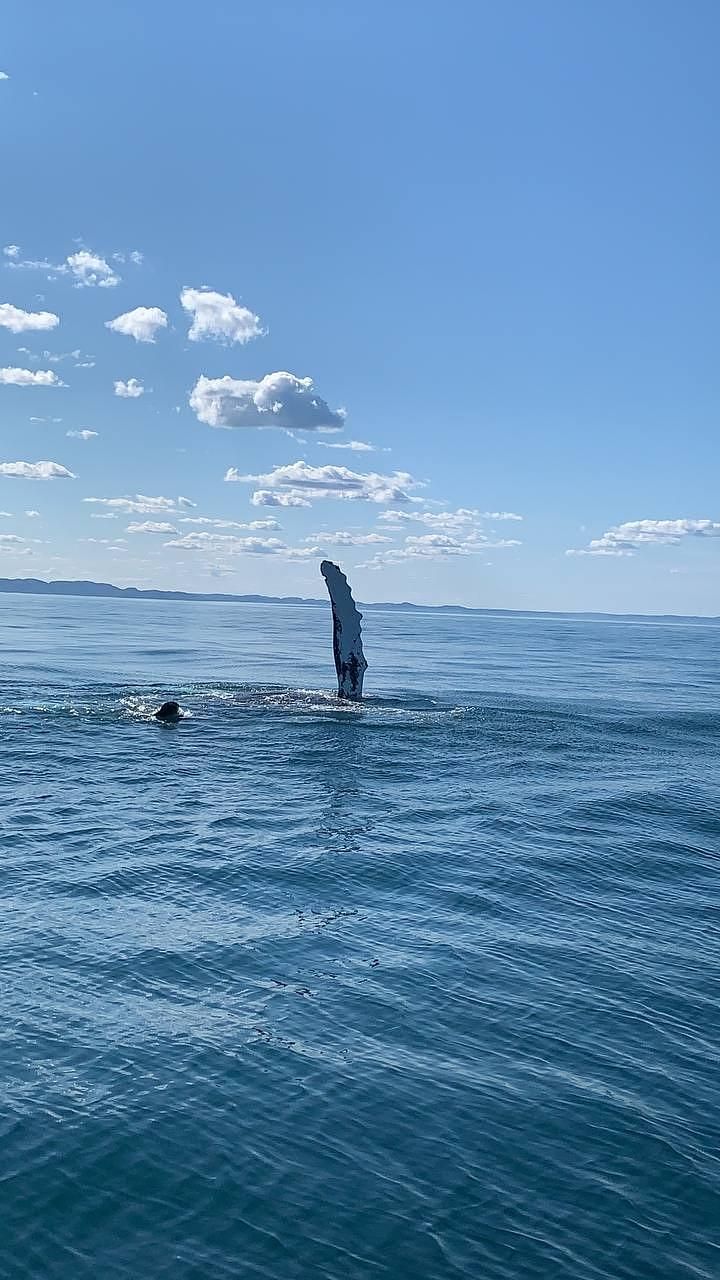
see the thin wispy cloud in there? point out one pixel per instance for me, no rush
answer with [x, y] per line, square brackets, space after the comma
[218, 317]
[355, 446]
[82, 435]
[277, 400]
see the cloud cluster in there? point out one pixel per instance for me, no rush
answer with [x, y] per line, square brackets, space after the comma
[439, 546]
[19, 321]
[343, 539]
[218, 316]
[152, 526]
[625, 539]
[82, 435]
[224, 544]
[129, 390]
[36, 470]
[14, 377]
[298, 484]
[142, 323]
[229, 524]
[141, 504]
[88, 269]
[461, 518]
[277, 400]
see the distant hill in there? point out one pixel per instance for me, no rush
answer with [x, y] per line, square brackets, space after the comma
[106, 590]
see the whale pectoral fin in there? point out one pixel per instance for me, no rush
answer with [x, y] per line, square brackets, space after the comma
[350, 664]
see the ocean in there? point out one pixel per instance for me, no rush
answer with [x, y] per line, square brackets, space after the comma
[425, 988]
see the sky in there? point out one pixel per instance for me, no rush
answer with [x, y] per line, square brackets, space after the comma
[429, 289]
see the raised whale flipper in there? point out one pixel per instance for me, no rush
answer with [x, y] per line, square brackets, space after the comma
[350, 661]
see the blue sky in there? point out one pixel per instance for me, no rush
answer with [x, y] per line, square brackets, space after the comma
[488, 234]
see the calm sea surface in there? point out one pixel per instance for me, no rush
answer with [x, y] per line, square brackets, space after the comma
[423, 989]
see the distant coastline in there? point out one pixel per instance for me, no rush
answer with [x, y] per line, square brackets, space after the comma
[107, 591]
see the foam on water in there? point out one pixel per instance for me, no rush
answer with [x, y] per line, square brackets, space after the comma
[421, 987]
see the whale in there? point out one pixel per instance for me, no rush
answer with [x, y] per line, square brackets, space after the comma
[169, 712]
[350, 664]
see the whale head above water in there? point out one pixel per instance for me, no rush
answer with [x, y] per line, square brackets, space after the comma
[169, 712]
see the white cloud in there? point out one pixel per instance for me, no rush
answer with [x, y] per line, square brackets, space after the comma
[10, 537]
[36, 470]
[32, 515]
[90, 269]
[277, 400]
[218, 316]
[4, 75]
[19, 321]
[230, 524]
[142, 324]
[437, 546]
[499, 515]
[13, 377]
[152, 526]
[130, 390]
[342, 539]
[12, 250]
[136, 256]
[300, 480]
[228, 544]
[81, 435]
[141, 504]
[357, 446]
[266, 497]
[103, 515]
[462, 518]
[625, 539]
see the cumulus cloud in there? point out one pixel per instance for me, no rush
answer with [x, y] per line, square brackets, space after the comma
[81, 435]
[229, 524]
[90, 269]
[32, 515]
[277, 400]
[152, 526]
[267, 498]
[36, 470]
[14, 377]
[19, 321]
[625, 539]
[357, 446]
[4, 76]
[142, 324]
[12, 250]
[343, 539]
[130, 390]
[299, 480]
[218, 316]
[140, 504]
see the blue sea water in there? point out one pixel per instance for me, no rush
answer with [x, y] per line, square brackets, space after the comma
[424, 989]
